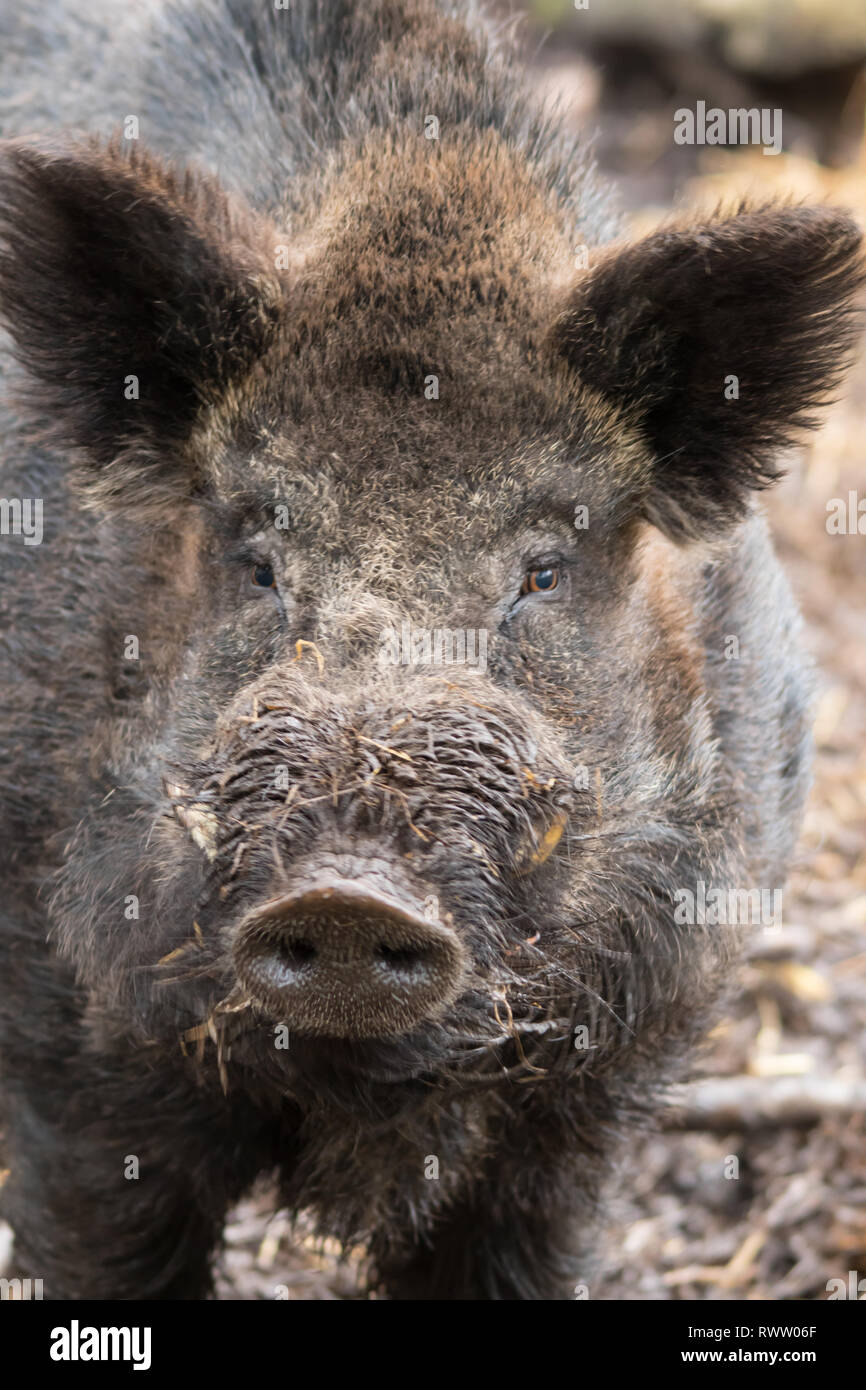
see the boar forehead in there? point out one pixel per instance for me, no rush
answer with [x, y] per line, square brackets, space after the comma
[433, 493]
[411, 368]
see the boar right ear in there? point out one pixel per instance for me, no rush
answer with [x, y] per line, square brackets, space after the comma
[718, 340]
[134, 295]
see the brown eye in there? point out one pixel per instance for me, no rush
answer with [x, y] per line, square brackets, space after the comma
[540, 581]
[263, 577]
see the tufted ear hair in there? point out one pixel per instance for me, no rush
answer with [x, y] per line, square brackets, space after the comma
[134, 295]
[720, 340]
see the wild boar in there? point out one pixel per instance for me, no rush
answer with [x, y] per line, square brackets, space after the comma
[302, 358]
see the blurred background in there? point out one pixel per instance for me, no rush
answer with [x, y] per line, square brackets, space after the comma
[756, 1186]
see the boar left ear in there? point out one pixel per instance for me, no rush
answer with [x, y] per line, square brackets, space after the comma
[134, 295]
[718, 340]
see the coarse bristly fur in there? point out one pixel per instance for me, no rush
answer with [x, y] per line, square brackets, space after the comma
[369, 363]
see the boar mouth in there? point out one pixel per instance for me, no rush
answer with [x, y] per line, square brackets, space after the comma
[347, 958]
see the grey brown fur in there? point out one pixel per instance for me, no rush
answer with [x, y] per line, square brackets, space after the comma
[295, 379]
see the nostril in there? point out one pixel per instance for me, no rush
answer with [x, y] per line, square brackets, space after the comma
[403, 959]
[295, 951]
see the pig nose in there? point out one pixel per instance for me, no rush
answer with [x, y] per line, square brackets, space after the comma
[343, 958]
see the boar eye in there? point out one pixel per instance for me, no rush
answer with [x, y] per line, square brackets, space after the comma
[541, 580]
[262, 576]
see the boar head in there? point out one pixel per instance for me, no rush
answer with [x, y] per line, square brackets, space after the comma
[299, 456]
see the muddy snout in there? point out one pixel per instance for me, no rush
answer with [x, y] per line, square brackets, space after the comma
[347, 959]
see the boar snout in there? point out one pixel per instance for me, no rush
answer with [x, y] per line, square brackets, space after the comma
[347, 958]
